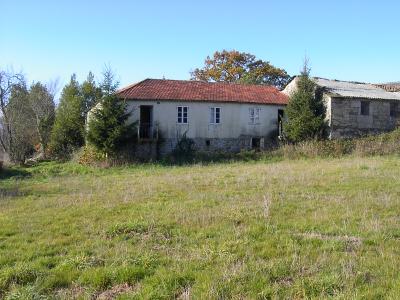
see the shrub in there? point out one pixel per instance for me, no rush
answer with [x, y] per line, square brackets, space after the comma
[382, 144]
[89, 156]
[185, 149]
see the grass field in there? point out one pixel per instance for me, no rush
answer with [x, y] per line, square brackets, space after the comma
[290, 229]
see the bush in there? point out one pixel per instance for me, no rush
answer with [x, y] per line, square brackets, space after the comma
[185, 149]
[89, 156]
[383, 144]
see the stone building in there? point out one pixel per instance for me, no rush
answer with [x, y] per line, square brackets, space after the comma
[356, 109]
[217, 116]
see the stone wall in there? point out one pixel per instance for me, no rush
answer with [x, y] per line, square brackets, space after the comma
[157, 149]
[346, 120]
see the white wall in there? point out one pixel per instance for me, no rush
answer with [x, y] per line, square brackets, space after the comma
[235, 119]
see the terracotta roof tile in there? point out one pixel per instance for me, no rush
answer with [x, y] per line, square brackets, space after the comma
[161, 89]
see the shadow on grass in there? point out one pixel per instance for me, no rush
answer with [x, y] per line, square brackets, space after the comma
[11, 192]
[217, 158]
[15, 173]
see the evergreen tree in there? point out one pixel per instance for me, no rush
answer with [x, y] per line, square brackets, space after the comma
[108, 129]
[305, 111]
[109, 85]
[69, 127]
[91, 93]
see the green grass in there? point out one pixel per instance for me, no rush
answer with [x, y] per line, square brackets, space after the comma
[257, 230]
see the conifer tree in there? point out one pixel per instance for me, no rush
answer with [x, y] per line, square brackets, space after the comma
[305, 111]
[68, 131]
[108, 127]
[91, 93]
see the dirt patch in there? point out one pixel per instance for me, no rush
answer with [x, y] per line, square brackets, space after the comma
[185, 295]
[115, 291]
[75, 292]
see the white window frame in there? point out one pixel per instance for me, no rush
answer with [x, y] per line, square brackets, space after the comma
[254, 115]
[182, 112]
[213, 115]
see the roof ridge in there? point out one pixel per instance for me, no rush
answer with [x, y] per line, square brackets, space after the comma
[172, 89]
[209, 82]
[131, 85]
[346, 81]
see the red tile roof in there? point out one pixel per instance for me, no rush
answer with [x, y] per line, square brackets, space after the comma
[161, 89]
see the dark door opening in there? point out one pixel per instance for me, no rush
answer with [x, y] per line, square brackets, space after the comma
[255, 143]
[146, 122]
[280, 122]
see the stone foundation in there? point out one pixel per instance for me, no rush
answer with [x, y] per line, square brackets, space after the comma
[146, 150]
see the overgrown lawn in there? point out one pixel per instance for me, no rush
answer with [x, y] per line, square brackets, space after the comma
[291, 229]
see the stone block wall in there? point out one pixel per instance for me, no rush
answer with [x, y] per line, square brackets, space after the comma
[151, 150]
[346, 120]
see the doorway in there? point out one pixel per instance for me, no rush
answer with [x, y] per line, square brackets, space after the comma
[146, 121]
[280, 123]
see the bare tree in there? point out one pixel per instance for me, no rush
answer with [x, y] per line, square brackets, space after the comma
[41, 102]
[22, 124]
[8, 80]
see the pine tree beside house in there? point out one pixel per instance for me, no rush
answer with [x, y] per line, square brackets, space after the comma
[108, 127]
[305, 112]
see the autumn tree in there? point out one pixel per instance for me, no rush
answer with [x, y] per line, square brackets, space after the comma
[240, 67]
[305, 111]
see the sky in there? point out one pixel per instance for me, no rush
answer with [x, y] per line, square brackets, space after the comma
[346, 40]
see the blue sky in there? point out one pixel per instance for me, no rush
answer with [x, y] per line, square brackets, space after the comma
[348, 40]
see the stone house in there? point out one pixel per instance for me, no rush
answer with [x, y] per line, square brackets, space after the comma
[356, 109]
[216, 116]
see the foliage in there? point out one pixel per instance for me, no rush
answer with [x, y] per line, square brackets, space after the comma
[109, 84]
[184, 149]
[240, 67]
[89, 156]
[68, 131]
[20, 118]
[382, 144]
[305, 111]
[42, 104]
[8, 81]
[91, 93]
[108, 129]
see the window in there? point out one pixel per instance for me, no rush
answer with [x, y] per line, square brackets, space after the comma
[394, 108]
[254, 113]
[364, 108]
[215, 115]
[183, 114]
